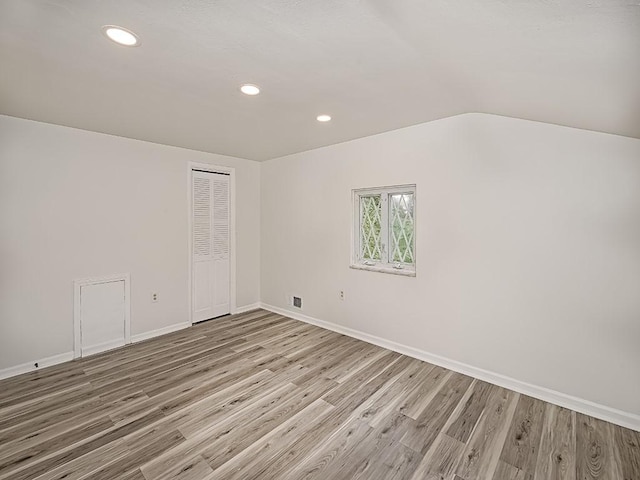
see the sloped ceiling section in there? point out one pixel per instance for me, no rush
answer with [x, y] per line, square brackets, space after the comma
[374, 65]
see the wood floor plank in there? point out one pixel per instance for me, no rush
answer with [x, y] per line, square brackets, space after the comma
[49, 407]
[34, 469]
[248, 394]
[224, 400]
[417, 401]
[120, 453]
[195, 469]
[315, 337]
[29, 435]
[435, 415]
[220, 420]
[348, 370]
[466, 420]
[120, 459]
[389, 398]
[262, 396]
[521, 446]
[282, 333]
[141, 356]
[596, 454]
[326, 365]
[363, 377]
[83, 466]
[628, 444]
[43, 388]
[332, 453]
[480, 458]
[17, 408]
[372, 454]
[297, 335]
[557, 451]
[504, 471]
[185, 394]
[252, 462]
[128, 464]
[441, 460]
[257, 423]
[394, 462]
[133, 475]
[32, 455]
[39, 383]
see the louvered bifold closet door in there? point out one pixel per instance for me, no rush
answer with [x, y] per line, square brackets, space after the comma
[210, 245]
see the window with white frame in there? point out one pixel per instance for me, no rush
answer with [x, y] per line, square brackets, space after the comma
[384, 229]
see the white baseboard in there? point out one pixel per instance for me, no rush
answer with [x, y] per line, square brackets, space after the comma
[30, 366]
[66, 357]
[160, 331]
[102, 347]
[619, 417]
[247, 308]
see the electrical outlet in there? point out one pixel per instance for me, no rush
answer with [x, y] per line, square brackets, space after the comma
[297, 302]
[341, 294]
[154, 297]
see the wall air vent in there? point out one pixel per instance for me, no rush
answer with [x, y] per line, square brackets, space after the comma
[297, 302]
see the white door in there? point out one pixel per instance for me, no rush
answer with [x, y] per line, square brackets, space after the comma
[102, 317]
[210, 283]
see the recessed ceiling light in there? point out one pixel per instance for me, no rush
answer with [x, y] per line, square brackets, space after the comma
[249, 89]
[121, 35]
[323, 118]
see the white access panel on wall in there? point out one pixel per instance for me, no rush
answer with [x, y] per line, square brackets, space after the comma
[210, 245]
[101, 314]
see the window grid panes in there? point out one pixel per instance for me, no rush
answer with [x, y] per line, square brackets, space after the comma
[385, 229]
[371, 227]
[401, 231]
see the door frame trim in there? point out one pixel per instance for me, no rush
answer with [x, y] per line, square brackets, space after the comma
[77, 313]
[207, 167]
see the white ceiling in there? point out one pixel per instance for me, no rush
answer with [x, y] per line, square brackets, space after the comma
[374, 65]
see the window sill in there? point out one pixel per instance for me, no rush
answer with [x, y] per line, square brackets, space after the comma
[403, 272]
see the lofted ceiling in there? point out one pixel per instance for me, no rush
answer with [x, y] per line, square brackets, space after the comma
[373, 65]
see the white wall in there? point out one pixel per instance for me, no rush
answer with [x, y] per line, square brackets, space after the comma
[528, 242]
[76, 204]
[528, 248]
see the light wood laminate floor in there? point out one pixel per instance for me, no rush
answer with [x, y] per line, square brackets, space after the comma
[261, 396]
